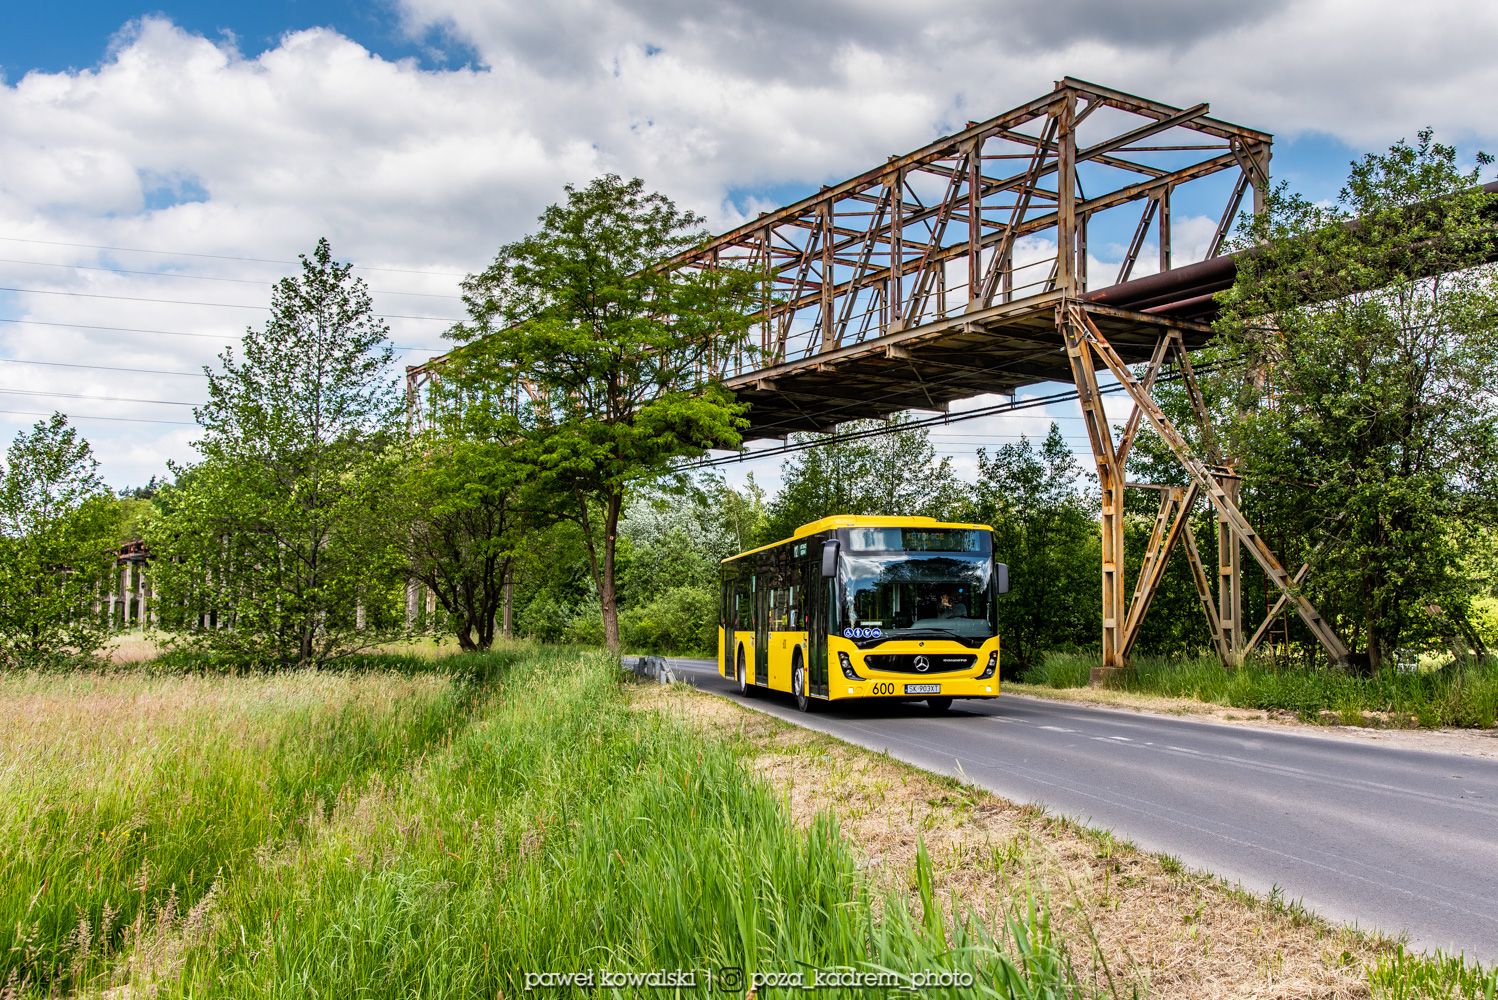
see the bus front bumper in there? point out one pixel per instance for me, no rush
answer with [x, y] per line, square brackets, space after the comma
[906, 686]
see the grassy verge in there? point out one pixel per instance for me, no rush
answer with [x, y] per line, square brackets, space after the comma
[435, 835]
[124, 795]
[1465, 697]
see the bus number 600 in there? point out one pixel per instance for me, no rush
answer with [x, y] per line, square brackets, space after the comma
[886, 688]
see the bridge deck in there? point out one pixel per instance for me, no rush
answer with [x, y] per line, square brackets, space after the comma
[994, 350]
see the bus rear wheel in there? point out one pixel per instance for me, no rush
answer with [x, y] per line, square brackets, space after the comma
[745, 688]
[938, 704]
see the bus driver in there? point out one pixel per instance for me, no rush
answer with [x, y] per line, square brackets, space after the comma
[952, 606]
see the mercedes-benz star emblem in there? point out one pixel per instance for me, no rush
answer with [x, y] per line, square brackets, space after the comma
[922, 664]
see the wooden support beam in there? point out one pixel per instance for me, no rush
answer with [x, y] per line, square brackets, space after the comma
[1278, 607]
[1208, 481]
[1172, 521]
[1230, 575]
[1131, 427]
[1204, 594]
[1111, 482]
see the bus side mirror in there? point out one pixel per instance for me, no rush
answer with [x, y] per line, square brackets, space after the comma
[829, 557]
[1001, 577]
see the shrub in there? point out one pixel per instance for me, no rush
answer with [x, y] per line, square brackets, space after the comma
[681, 620]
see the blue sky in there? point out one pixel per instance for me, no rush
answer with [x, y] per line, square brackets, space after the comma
[54, 37]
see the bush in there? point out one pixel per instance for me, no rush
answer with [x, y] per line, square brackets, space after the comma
[544, 618]
[681, 620]
[584, 626]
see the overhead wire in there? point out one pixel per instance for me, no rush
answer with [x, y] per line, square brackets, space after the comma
[927, 422]
[188, 302]
[201, 277]
[101, 368]
[217, 256]
[85, 416]
[168, 333]
[107, 399]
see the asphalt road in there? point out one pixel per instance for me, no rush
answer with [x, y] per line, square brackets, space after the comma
[1400, 840]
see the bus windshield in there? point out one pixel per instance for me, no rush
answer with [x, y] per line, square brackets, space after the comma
[902, 594]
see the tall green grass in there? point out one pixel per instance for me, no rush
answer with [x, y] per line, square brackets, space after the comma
[1447, 697]
[127, 794]
[562, 832]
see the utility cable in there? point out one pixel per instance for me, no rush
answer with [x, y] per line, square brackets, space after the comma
[188, 302]
[108, 399]
[76, 416]
[169, 333]
[99, 368]
[218, 256]
[985, 411]
[201, 277]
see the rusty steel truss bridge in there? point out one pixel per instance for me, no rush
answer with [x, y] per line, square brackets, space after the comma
[963, 269]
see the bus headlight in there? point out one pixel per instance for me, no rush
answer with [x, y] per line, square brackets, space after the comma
[993, 664]
[847, 665]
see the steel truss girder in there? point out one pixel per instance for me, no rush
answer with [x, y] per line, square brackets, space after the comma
[934, 233]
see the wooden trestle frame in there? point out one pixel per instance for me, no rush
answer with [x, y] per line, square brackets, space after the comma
[929, 279]
[1217, 480]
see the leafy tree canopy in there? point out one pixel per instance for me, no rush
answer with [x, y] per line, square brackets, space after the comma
[59, 526]
[272, 544]
[1355, 371]
[610, 352]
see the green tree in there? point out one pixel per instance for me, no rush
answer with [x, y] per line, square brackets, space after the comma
[58, 531]
[1356, 354]
[895, 473]
[1048, 534]
[273, 543]
[615, 349]
[461, 502]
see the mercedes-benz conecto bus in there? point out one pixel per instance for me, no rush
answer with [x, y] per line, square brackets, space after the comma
[866, 607]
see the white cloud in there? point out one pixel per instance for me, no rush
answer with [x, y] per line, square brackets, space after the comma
[431, 171]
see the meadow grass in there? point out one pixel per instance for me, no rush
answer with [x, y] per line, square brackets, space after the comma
[1447, 697]
[124, 794]
[562, 832]
[438, 833]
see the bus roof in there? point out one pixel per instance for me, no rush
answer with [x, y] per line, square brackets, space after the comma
[861, 521]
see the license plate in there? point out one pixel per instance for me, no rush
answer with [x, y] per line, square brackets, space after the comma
[923, 689]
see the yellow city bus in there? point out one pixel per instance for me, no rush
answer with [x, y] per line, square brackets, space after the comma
[865, 607]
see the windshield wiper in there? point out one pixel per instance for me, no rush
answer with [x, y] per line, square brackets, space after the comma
[935, 628]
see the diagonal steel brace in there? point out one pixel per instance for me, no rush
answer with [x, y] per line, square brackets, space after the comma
[1204, 479]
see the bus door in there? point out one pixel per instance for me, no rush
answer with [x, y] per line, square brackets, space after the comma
[761, 628]
[816, 619]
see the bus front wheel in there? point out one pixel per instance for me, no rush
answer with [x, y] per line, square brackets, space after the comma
[804, 701]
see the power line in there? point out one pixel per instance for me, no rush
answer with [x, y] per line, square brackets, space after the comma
[168, 333]
[100, 368]
[188, 302]
[110, 399]
[938, 421]
[201, 277]
[76, 416]
[217, 256]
